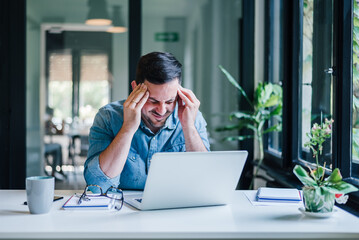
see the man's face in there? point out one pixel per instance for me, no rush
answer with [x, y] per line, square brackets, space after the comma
[160, 104]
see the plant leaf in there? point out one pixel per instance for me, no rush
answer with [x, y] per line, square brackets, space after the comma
[276, 111]
[344, 187]
[303, 176]
[319, 172]
[334, 177]
[234, 83]
[240, 115]
[276, 127]
[272, 101]
[238, 138]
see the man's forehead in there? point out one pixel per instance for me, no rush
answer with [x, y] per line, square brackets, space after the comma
[162, 92]
[159, 100]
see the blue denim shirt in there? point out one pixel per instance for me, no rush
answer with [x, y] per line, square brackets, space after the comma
[145, 143]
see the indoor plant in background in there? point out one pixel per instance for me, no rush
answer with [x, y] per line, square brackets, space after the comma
[319, 192]
[267, 104]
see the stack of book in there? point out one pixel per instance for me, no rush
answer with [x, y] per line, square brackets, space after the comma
[265, 194]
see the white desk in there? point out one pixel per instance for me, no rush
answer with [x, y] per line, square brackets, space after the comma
[240, 220]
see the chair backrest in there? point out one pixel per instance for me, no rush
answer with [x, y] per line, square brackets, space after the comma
[84, 145]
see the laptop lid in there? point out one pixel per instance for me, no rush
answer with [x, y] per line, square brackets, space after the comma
[190, 179]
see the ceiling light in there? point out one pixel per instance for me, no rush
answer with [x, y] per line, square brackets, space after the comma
[118, 24]
[98, 14]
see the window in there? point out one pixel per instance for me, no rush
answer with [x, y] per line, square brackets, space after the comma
[316, 85]
[78, 75]
[94, 85]
[274, 66]
[60, 84]
[320, 80]
[355, 84]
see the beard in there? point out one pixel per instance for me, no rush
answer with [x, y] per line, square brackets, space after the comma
[155, 124]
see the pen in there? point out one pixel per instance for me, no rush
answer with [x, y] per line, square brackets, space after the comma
[55, 199]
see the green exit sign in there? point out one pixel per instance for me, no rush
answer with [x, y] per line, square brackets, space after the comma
[167, 37]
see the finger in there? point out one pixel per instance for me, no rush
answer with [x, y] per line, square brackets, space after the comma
[132, 98]
[143, 100]
[133, 93]
[180, 101]
[190, 95]
[137, 98]
[184, 98]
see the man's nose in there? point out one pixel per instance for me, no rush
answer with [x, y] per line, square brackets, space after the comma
[161, 109]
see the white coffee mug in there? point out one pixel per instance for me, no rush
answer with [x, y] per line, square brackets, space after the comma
[40, 193]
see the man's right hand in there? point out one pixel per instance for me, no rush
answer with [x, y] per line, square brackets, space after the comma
[132, 108]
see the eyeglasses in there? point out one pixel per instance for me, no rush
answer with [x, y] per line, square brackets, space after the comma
[114, 194]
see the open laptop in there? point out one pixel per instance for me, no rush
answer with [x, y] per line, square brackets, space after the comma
[190, 179]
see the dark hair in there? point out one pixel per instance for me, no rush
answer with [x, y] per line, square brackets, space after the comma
[158, 68]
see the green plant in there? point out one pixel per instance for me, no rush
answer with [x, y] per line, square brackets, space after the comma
[267, 104]
[319, 191]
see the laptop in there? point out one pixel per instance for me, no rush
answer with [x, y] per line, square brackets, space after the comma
[190, 179]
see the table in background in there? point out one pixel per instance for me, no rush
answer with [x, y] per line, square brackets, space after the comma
[240, 220]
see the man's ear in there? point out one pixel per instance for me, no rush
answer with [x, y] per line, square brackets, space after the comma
[133, 84]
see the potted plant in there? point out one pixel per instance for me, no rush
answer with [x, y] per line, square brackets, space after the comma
[267, 104]
[319, 192]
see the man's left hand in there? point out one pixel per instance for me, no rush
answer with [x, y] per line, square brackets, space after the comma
[188, 106]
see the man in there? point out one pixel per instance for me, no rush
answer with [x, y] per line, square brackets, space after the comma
[158, 116]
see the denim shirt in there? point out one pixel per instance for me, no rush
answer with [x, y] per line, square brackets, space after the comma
[145, 143]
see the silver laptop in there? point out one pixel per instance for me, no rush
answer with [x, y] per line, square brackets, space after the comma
[190, 179]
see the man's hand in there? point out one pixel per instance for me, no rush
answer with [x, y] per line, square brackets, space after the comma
[188, 106]
[132, 107]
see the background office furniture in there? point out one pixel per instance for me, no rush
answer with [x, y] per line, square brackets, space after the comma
[53, 157]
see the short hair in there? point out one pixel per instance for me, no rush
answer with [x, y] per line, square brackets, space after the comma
[158, 68]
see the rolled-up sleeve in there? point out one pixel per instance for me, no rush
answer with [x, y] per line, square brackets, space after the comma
[101, 135]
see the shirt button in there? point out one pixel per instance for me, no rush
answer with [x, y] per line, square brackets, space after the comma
[133, 157]
[154, 138]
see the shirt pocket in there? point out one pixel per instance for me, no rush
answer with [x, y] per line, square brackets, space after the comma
[176, 146]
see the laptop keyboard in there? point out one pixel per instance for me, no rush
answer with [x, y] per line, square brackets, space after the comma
[138, 199]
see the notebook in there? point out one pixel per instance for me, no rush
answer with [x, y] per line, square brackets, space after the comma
[278, 195]
[190, 179]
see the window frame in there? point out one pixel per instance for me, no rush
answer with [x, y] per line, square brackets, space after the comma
[342, 112]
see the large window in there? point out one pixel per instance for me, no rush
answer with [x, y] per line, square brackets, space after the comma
[78, 75]
[317, 90]
[320, 80]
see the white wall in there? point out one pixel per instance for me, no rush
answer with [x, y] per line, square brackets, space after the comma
[34, 146]
[213, 40]
[208, 38]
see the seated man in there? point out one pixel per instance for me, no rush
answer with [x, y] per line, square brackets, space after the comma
[158, 116]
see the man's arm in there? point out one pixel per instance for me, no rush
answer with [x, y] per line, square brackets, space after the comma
[188, 106]
[113, 158]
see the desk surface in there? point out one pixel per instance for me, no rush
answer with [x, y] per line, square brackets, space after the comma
[240, 220]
